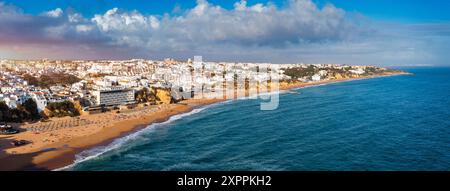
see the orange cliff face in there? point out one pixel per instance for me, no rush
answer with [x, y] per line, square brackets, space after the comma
[163, 95]
[338, 76]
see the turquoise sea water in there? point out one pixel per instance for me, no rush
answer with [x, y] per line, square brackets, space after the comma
[389, 123]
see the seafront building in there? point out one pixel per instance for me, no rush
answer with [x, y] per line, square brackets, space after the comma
[114, 96]
[40, 100]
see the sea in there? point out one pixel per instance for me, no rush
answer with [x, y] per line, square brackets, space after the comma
[387, 123]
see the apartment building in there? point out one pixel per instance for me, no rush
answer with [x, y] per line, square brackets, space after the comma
[114, 96]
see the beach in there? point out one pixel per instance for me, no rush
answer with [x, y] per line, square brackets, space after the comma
[58, 144]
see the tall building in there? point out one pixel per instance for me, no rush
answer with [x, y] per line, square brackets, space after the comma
[115, 96]
[40, 100]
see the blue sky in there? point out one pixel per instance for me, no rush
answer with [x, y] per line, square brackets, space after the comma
[378, 32]
[402, 10]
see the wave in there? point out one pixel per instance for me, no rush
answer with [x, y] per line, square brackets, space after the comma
[120, 142]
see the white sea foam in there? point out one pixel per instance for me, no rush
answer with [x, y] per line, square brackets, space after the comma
[120, 142]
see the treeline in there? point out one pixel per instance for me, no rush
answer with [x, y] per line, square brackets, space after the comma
[51, 79]
[299, 72]
[28, 111]
[376, 70]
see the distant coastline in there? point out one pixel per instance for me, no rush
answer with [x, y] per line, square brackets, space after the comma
[62, 152]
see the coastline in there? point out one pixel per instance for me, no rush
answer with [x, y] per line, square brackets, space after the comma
[62, 153]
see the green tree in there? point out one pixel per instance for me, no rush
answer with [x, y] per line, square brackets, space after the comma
[299, 72]
[31, 80]
[4, 112]
[31, 109]
[17, 115]
[51, 79]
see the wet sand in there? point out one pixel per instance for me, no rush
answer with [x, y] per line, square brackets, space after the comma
[58, 148]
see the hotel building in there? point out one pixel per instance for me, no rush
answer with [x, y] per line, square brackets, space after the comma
[114, 97]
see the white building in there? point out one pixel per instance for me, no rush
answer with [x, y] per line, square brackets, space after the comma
[358, 71]
[40, 100]
[7, 89]
[11, 102]
[112, 97]
[316, 77]
[323, 72]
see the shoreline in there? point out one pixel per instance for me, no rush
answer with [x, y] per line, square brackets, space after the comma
[61, 154]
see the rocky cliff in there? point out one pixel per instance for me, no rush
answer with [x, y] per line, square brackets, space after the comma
[163, 95]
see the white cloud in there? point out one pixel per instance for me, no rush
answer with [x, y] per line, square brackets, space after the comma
[75, 17]
[54, 13]
[120, 21]
[154, 22]
[257, 25]
[242, 6]
[83, 28]
[10, 12]
[260, 25]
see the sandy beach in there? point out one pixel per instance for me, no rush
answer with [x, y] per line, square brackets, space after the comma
[56, 143]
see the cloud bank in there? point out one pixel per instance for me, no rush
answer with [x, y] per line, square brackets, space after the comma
[298, 32]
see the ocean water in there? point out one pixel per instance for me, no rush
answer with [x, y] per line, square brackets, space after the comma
[389, 123]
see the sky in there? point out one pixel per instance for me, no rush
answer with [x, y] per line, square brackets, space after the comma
[358, 32]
